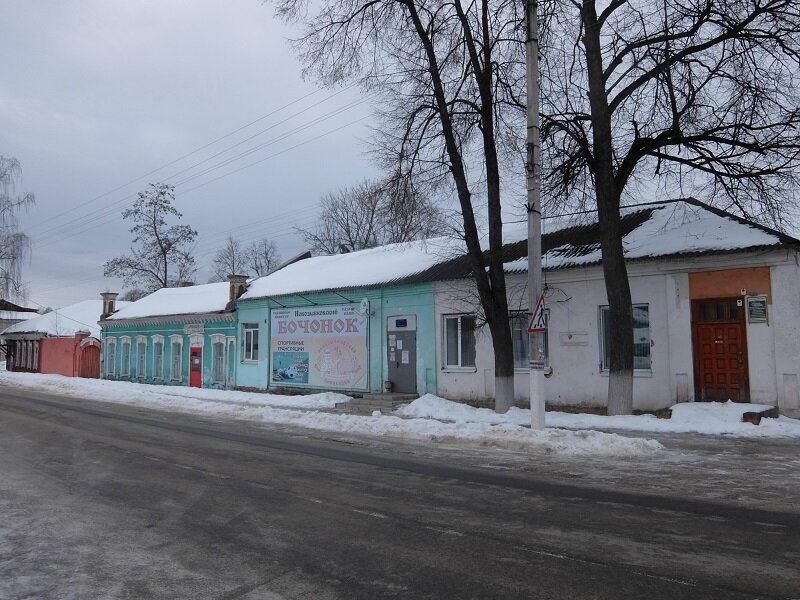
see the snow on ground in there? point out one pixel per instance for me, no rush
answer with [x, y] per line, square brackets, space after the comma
[304, 411]
[713, 418]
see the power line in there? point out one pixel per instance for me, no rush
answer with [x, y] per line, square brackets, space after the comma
[100, 218]
[180, 158]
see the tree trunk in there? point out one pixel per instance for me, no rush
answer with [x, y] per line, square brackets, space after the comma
[500, 328]
[618, 291]
[620, 381]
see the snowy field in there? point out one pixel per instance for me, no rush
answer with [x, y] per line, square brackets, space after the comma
[428, 418]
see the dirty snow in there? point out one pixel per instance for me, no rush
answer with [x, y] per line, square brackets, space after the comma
[304, 411]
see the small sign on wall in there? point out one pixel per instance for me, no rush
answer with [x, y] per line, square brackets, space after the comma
[757, 309]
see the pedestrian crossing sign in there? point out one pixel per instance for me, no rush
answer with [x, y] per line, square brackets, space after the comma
[538, 322]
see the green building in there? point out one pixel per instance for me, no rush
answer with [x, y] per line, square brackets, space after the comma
[175, 336]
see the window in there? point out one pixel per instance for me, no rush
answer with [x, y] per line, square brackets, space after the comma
[141, 356]
[125, 359]
[158, 357]
[459, 341]
[176, 362]
[250, 340]
[111, 356]
[520, 340]
[641, 337]
[218, 358]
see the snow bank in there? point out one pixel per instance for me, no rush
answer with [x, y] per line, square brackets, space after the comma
[711, 418]
[283, 410]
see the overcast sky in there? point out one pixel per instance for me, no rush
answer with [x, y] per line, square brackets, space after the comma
[96, 95]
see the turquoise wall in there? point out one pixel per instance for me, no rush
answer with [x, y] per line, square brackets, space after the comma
[226, 328]
[414, 299]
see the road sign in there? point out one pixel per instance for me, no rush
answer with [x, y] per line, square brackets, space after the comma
[538, 322]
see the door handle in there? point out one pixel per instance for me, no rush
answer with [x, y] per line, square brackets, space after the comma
[740, 358]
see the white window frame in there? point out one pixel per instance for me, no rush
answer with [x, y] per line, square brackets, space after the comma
[219, 338]
[175, 339]
[604, 368]
[125, 369]
[141, 339]
[158, 339]
[111, 357]
[460, 366]
[247, 342]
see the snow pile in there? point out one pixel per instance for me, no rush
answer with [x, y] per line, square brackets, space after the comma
[710, 418]
[283, 410]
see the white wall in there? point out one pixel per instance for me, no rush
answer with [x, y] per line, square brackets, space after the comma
[574, 298]
[785, 325]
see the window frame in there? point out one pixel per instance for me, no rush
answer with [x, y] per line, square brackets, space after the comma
[173, 340]
[141, 339]
[460, 366]
[158, 339]
[111, 357]
[250, 333]
[601, 319]
[218, 338]
[125, 365]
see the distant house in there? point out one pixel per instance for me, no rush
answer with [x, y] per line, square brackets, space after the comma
[11, 313]
[716, 305]
[65, 341]
[174, 336]
[360, 322]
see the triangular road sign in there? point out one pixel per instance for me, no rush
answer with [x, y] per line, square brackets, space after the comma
[538, 322]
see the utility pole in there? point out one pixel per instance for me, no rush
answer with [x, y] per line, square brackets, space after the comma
[533, 170]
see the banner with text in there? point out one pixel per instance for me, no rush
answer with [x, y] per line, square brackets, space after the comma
[321, 346]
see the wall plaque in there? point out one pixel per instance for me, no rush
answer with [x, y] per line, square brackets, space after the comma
[757, 309]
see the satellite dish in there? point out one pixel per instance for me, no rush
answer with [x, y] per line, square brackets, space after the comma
[363, 308]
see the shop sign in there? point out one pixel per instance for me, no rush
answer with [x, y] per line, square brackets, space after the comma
[320, 346]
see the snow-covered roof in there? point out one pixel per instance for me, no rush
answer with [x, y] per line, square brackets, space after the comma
[657, 230]
[64, 322]
[14, 315]
[384, 265]
[194, 299]
[654, 230]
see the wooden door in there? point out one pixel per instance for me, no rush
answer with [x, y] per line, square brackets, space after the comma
[196, 367]
[720, 350]
[90, 361]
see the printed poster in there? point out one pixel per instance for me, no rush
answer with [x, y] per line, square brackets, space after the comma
[320, 346]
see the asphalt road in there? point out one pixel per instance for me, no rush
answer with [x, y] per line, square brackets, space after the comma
[106, 501]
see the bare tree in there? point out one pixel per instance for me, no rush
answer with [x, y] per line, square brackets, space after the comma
[161, 253]
[373, 213]
[442, 72]
[670, 97]
[349, 220]
[133, 294]
[14, 245]
[231, 259]
[261, 257]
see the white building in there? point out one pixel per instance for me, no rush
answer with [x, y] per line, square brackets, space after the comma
[716, 309]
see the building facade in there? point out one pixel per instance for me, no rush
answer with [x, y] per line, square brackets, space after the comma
[175, 336]
[716, 306]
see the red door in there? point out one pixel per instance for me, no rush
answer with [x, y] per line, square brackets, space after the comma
[720, 350]
[90, 362]
[196, 367]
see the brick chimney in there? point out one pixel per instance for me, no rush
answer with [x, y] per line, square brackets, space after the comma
[238, 286]
[109, 303]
